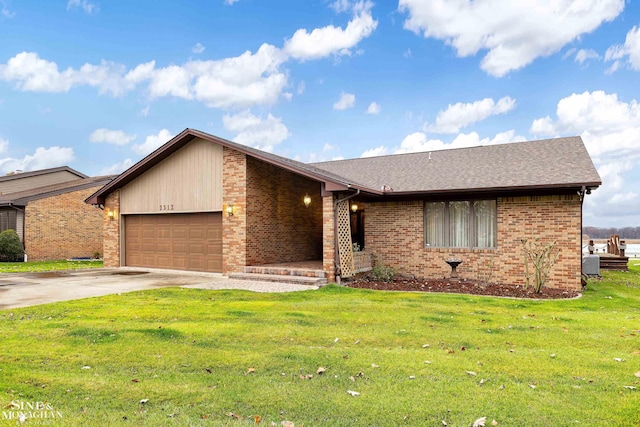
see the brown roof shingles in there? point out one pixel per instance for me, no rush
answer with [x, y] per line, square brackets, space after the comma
[21, 198]
[551, 163]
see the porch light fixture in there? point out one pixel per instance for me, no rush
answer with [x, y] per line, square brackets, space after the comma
[229, 209]
[354, 208]
[112, 214]
[306, 200]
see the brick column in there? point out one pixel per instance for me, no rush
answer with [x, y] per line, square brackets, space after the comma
[328, 238]
[111, 242]
[234, 228]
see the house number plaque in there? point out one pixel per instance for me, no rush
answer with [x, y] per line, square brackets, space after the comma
[166, 207]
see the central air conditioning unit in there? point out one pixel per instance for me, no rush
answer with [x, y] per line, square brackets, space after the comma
[591, 265]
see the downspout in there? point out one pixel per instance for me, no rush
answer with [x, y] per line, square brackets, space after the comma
[335, 231]
[581, 194]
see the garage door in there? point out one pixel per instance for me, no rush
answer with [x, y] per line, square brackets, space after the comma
[175, 241]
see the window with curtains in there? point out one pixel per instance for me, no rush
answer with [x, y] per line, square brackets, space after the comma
[461, 224]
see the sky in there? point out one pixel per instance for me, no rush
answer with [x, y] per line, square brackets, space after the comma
[97, 85]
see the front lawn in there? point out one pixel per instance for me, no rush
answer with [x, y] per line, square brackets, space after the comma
[38, 266]
[192, 357]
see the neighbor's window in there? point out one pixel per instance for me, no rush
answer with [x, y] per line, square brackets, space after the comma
[461, 224]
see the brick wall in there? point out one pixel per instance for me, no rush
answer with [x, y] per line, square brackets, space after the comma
[279, 226]
[328, 238]
[234, 228]
[63, 226]
[111, 244]
[394, 233]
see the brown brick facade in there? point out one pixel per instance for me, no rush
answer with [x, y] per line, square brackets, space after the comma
[395, 235]
[328, 238]
[62, 227]
[234, 228]
[279, 226]
[111, 244]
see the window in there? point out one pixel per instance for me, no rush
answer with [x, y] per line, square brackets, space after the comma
[461, 224]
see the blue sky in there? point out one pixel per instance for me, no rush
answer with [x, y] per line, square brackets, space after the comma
[98, 84]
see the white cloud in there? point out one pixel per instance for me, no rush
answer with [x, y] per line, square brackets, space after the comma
[347, 100]
[198, 48]
[301, 88]
[407, 53]
[144, 112]
[329, 147]
[115, 137]
[254, 131]
[513, 33]
[4, 144]
[117, 168]
[152, 142]
[287, 95]
[374, 108]
[584, 54]
[629, 50]
[330, 40]
[341, 6]
[418, 141]
[230, 2]
[6, 12]
[610, 129]
[88, 7]
[234, 82]
[378, 151]
[33, 74]
[460, 115]
[42, 158]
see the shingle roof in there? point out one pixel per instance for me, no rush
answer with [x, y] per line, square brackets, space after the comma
[21, 175]
[21, 198]
[551, 163]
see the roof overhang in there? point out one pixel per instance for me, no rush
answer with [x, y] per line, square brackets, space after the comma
[187, 135]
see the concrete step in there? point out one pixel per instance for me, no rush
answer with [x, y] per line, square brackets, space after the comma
[284, 271]
[300, 280]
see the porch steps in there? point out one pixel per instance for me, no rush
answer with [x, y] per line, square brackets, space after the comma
[299, 280]
[282, 274]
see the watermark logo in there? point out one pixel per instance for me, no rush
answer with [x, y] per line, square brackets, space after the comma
[20, 411]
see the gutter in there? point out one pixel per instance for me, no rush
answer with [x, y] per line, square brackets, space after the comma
[335, 230]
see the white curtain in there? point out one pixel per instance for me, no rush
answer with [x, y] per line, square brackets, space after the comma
[485, 221]
[459, 213]
[434, 224]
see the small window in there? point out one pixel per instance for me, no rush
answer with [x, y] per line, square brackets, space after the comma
[461, 224]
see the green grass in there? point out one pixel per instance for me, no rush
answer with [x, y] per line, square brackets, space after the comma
[37, 266]
[201, 356]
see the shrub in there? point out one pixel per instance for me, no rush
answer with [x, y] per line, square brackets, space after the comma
[383, 273]
[10, 247]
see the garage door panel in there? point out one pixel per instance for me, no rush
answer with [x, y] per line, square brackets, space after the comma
[174, 241]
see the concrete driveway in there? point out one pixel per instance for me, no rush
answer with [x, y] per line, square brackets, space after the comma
[23, 290]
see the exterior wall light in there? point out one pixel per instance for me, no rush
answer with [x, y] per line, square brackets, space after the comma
[112, 214]
[354, 208]
[306, 200]
[229, 209]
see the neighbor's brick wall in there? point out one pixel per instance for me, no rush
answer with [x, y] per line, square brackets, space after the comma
[111, 244]
[234, 228]
[395, 235]
[63, 226]
[279, 226]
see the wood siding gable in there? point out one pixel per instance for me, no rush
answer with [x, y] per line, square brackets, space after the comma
[189, 180]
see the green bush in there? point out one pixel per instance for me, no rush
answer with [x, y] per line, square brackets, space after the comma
[383, 273]
[10, 246]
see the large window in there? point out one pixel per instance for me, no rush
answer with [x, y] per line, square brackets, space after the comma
[461, 224]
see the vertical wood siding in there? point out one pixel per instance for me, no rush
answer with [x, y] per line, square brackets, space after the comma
[190, 180]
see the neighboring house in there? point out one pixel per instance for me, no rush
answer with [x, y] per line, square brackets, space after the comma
[203, 203]
[52, 221]
[21, 181]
